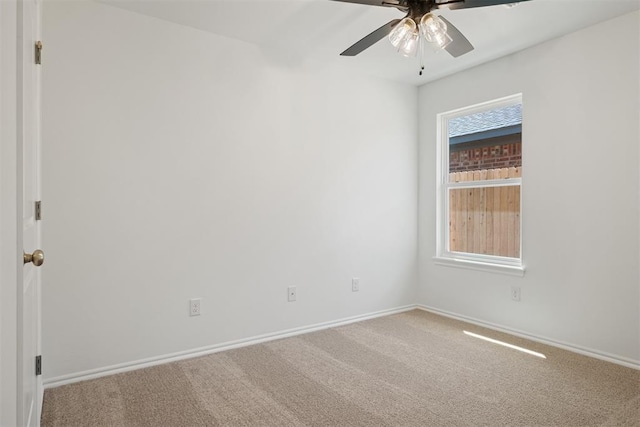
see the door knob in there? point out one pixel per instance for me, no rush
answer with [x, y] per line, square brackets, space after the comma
[37, 258]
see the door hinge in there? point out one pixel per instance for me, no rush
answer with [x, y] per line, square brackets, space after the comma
[38, 210]
[38, 365]
[38, 52]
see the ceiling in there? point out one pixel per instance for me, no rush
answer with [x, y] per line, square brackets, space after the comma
[314, 32]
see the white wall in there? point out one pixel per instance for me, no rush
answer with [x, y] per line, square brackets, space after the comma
[580, 192]
[180, 164]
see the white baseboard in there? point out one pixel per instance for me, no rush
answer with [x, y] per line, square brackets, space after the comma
[202, 351]
[618, 360]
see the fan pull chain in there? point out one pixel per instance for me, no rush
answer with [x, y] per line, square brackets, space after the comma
[421, 48]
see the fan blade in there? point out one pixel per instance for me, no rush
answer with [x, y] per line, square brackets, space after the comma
[386, 3]
[459, 45]
[371, 39]
[466, 4]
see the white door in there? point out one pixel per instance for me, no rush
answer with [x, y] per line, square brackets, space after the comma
[30, 388]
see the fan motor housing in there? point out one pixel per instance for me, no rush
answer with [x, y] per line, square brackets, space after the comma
[417, 8]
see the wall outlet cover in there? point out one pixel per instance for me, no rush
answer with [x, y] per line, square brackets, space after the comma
[515, 293]
[292, 293]
[194, 306]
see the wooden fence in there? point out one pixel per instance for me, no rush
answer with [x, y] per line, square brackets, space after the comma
[485, 220]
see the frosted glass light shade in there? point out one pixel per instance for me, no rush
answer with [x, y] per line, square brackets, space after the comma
[441, 41]
[404, 37]
[434, 30]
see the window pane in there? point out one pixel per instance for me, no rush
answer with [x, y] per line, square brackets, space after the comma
[486, 141]
[485, 220]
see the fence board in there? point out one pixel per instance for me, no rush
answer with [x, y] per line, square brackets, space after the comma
[490, 196]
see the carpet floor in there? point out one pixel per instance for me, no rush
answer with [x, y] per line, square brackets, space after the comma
[408, 369]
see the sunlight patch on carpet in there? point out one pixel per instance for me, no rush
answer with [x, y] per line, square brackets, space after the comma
[515, 347]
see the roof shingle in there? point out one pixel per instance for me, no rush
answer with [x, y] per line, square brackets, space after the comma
[487, 120]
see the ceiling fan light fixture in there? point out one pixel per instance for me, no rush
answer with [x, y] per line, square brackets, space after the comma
[441, 41]
[404, 37]
[410, 46]
[434, 30]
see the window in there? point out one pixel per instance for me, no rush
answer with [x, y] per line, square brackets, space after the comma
[479, 186]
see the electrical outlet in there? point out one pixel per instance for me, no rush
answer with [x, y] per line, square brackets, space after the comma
[291, 293]
[194, 306]
[515, 293]
[355, 284]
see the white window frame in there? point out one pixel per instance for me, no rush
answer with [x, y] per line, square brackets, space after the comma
[491, 263]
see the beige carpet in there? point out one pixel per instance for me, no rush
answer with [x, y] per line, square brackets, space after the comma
[409, 369]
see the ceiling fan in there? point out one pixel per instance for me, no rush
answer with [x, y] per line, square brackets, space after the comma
[404, 34]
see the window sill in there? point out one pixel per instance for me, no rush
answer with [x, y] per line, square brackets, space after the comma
[510, 270]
